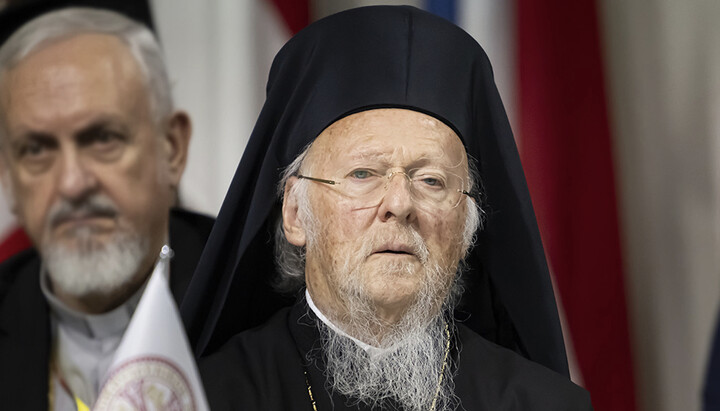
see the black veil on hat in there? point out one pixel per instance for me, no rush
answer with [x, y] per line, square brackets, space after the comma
[361, 59]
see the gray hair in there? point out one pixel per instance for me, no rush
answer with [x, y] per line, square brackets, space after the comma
[73, 21]
[290, 259]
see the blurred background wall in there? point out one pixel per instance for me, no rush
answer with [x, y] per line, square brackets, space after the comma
[615, 106]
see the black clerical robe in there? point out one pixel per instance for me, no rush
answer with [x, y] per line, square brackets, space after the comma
[263, 369]
[25, 317]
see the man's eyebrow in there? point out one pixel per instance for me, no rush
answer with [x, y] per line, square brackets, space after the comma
[105, 120]
[361, 154]
[98, 125]
[438, 160]
[33, 136]
[18, 144]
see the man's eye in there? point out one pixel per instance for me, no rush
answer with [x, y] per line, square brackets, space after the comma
[432, 182]
[103, 144]
[105, 137]
[99, 137]
[32, 150]
[35, 154]
[360, 174]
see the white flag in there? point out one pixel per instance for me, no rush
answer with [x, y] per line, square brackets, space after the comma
[153, 367]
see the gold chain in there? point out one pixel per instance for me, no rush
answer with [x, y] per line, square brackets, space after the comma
[312, 399]
[442, 370]
[439, 384]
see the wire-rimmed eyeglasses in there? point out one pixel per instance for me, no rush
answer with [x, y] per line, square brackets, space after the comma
[433, 189]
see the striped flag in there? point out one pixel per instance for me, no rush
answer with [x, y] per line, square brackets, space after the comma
[568, 161]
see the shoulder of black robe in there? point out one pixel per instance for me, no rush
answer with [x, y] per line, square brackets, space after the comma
[500, 379]
[188, 233]
[264, 369]
[711, 390]
[361, 59]
[24, 334]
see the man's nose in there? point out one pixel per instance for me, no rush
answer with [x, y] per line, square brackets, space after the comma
[76, 180]
[398, 200]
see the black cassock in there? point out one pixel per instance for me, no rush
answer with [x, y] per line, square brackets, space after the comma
[264, 369]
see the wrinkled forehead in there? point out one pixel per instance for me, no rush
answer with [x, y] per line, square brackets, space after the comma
[388, 137]
[65, 78]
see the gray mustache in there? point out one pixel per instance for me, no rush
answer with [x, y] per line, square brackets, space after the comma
[404, 235]
[95, 206]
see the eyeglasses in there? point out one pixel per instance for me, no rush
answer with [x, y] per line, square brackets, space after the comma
[431, 189]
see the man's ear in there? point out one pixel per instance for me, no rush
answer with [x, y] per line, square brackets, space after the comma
[176, 143]
[294, 230]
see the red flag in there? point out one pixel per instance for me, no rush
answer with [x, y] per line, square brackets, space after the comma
[13, 243]
[296, 13]
[567, 155]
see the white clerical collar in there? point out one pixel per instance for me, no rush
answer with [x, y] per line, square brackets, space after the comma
[102, 325]
[371, 350]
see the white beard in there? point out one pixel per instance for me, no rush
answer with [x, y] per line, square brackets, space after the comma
[413, 350]
[408, 366]
[407, 373]
[80, 265]
[103, 269]
[360, 317]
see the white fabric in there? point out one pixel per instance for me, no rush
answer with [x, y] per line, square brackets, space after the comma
[372, 351]
[84, 345]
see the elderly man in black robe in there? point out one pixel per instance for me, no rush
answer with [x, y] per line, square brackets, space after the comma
[403, 227]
